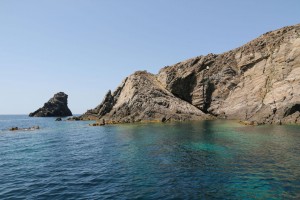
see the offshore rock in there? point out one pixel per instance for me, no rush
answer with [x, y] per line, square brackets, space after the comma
[258, 82]
[57, 106]
[25, 129]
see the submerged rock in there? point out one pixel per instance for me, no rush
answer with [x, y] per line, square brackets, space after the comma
[250, 123]
[24, 129]
[14, 129]
[258, 83]
[57, 106]
[74, 118]
[97, 124]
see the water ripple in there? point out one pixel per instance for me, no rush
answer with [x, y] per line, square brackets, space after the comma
[205, 160]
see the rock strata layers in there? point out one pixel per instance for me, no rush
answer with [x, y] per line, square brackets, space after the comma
[57, 106]
[258, 82]
[141, 97]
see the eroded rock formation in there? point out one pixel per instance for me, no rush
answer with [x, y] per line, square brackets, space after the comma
[259, 81]
[141, 97]
[57, 106]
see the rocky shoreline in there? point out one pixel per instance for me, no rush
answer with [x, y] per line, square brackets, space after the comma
[257, 83]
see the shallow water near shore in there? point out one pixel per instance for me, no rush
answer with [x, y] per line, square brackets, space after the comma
[195, 160]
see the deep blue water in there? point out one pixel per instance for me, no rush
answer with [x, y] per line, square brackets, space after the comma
[199, 160]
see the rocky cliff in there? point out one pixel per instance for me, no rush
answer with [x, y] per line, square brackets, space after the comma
[258, 82]
[141, 97]
[57, 106]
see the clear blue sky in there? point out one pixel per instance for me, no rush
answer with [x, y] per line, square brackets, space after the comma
[86, 47]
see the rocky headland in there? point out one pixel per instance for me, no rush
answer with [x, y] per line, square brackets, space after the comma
[258, 83]
[57, 106]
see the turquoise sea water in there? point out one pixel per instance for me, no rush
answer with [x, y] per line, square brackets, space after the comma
[199, 160]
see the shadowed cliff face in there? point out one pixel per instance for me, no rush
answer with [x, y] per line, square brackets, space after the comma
[259, 81]
[57, 106]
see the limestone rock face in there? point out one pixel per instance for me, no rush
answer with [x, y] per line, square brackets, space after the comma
[141, 97]
[259, 81]
[57, 106]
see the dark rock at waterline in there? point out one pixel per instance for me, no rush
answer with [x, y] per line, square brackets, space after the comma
[97, 124]
[24, 129]
[14, 128]
[58, 119]
[74, 119]
[57, 106]
[164, 119]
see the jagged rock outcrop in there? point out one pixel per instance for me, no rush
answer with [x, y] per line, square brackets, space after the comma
[258, 82]
[57, 106]
[141, 97]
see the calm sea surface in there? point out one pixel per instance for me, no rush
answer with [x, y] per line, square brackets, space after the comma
[200, 160]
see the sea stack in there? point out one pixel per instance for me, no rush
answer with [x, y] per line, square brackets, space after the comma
[57, 106]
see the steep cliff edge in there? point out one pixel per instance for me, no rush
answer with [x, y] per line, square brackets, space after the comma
[259, 81]
[57, 106]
